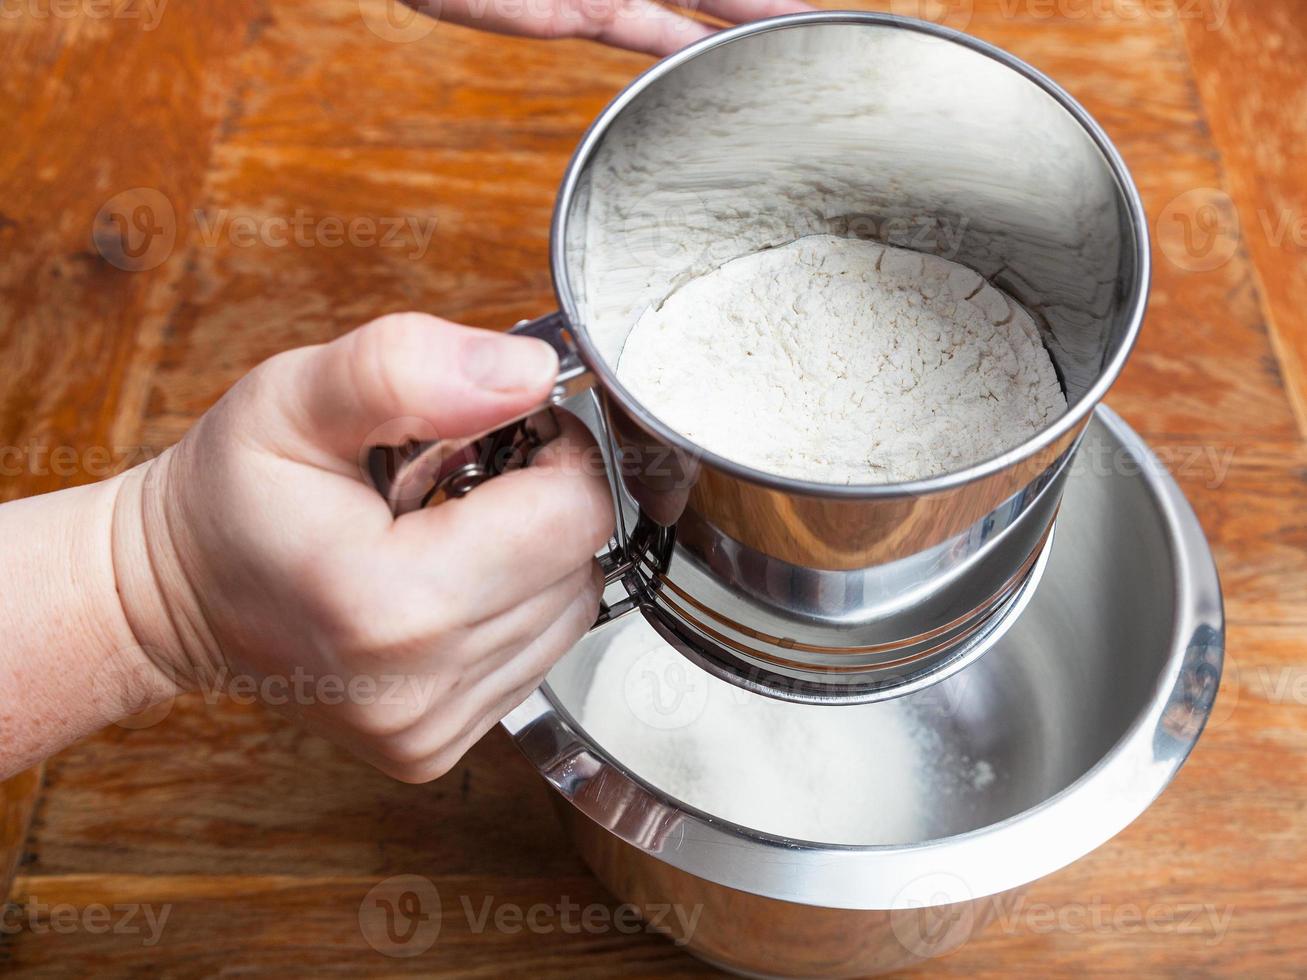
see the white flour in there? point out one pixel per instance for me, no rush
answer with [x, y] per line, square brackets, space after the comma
[694, 174]
[849, 775]
[843, 361]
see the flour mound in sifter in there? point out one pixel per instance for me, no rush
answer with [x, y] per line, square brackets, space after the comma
[844, 361]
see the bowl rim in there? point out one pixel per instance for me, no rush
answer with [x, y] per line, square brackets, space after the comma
[1010, 853]
[1065, 424]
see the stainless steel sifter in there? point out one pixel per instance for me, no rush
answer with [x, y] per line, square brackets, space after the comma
[856, 124]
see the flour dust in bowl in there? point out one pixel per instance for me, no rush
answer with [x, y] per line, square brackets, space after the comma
[840, 295]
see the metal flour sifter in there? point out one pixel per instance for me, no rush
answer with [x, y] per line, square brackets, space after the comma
[895, 131]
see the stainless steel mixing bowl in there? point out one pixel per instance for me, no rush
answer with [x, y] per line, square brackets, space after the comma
[862, 125]
[1085, 710]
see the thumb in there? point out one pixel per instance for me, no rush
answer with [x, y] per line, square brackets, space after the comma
[409, 375]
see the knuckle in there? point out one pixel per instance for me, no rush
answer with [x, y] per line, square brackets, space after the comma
[584, 495]
[600, 513]
[371, 624]
[578, 619]
[374, 726]
[269, 381]
[601, 17]
[440, 763]
[512, 699]
[396, 328]
[414, 775]
[389, 359]
[582, 508]
[593, 592]
[389, 720]
[403, 753]
[270, 373]
[410, 752]
[424, 769]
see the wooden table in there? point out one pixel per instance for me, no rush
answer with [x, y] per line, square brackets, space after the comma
[261, 841]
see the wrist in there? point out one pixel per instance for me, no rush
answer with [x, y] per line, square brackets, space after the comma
[70, 663]
[158, 606]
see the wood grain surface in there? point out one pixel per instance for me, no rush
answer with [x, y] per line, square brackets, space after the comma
[250, 844]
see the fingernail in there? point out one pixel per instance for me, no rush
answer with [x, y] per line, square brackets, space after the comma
[504, 363]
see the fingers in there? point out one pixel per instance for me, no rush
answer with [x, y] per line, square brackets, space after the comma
[503, 635]
[430, 748]
[637, 25]
[504, 689]
[645, 26]
[741, 11]
[514, 535]
[439, 377]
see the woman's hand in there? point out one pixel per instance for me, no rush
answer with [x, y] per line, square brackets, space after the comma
[637, 25]
[255, 552]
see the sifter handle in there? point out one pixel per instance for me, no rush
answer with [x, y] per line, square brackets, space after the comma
[417, 473]
[422, 473]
